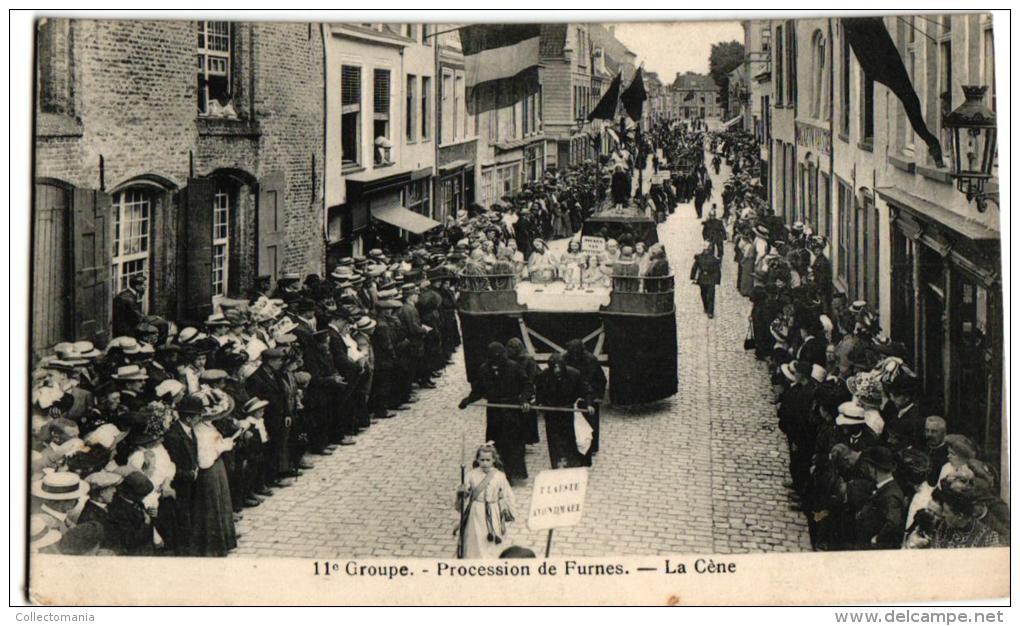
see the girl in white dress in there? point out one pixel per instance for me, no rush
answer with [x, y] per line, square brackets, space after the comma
[489, 508]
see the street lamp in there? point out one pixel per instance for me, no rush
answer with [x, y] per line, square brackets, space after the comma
[973, 128]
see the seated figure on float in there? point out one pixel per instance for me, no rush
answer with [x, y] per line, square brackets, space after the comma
[542, 266]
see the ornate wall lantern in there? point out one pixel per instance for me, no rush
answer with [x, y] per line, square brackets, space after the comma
[973, 128]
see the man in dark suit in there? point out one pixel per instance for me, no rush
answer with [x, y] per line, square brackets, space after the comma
[127, 307]
[706, 274]
[384, 393]
[812, 348]
[267, 383]
[904, 423]
[714, 232]
[180, 444]
[880, 522]
[796, 422]
[821, 270]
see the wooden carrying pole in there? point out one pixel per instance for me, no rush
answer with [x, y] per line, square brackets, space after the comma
[536, 407]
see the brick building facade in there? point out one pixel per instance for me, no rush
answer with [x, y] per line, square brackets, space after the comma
[156, 138]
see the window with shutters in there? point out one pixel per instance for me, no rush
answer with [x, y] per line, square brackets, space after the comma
[459, 113]
[426, 108]
[445, 119]
[867, 117]
[780, 66]
[132, 223]
[844, 99]
[220, 243]
[214, 70]
[381, 116]
[350, 114]
[791, 64]
[912, 49]
[411, 31]
[410, 109]
[846, 216]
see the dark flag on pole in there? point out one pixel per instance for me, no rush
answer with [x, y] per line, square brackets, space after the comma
[689, 96]
[606, 108]
[880, 60]
[500, 64]
[633, 98]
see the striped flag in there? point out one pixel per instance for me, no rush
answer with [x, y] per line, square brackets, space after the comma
[500, 63]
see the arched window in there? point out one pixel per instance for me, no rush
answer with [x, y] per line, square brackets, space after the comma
[820, 77]
[132, 231]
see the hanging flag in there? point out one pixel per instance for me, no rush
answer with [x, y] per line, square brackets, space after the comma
[880, 60]
[689, 96]
[606, 108]
[500, 64]
[633, 98]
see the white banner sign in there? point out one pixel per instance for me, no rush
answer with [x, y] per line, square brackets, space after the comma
[593, 245]
[558, 498]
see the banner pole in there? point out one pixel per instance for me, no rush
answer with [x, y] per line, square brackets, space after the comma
[548, 543]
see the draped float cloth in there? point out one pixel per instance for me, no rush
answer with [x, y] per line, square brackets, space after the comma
[500, 64]
[881, 61]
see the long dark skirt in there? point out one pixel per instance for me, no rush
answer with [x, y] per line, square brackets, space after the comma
[212, 517]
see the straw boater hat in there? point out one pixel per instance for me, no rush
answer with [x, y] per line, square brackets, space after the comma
[131, 372]
[254, 404]
[364, 324]
[169, 387]
[791, 369]
[60, 486]
[189, 336]
[217, 319]
[42, 535]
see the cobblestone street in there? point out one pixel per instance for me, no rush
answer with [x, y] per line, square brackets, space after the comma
[701, 472]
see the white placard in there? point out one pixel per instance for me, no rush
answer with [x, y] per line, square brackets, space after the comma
[593, 245]
[557, 500]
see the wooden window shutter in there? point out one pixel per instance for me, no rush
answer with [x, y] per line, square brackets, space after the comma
[91, 237]
[272, 229]
[196, 249]
[381, 92]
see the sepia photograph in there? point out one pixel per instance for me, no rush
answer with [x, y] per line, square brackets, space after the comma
[435, 307]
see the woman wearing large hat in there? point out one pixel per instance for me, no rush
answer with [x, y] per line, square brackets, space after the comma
[212, 514]
[150, 457]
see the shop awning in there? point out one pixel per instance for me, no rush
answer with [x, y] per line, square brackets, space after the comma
[730, 124]
[404, 219]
